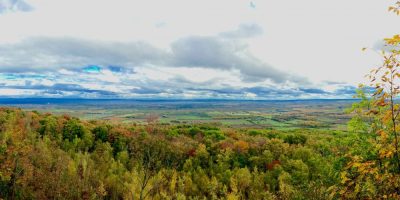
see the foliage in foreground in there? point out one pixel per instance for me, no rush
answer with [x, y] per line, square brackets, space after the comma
[58, 157]
[375, 172]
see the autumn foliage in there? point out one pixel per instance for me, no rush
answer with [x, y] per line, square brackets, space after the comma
[375, 172]
[43, 156]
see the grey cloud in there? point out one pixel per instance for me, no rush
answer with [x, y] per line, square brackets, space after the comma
[148, 90]
[346, 90]
[217, 53]
[38, 54]
[273, 93]
[177, 87]
[269, 91]
[60, 88]
[14, 6]
[244, 31]
[231, 92]
[224, 91]
[334, 82]
[313, 90]
[51, 54]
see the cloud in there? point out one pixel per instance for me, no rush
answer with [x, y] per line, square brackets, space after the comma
[59, 88]
[92, 85]
[313, 90]
[147, 90]
[334, 82]
[218, 53]
[347, 90]
[272, 45]
[14, 6]
[73, 67]
[42, 54]
[51, 54]
[21, 76]
[254, 93]
[244, 31]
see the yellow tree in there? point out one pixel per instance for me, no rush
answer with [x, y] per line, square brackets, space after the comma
[385, 79]
[378, 176]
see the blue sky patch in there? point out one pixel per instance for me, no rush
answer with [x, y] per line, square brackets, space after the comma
[115, 68]
[92, 69]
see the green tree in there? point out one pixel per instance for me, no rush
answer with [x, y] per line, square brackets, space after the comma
[378, 176]
[73, 129]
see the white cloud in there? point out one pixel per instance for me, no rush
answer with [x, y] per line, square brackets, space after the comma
[282, 45]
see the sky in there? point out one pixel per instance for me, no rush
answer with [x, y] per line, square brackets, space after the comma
[186, 49]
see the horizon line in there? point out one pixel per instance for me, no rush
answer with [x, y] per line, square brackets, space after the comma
[168, 99]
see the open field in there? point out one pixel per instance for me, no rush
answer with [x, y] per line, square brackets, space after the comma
[253, 114]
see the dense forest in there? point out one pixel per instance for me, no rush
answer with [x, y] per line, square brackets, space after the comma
[44, 156]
